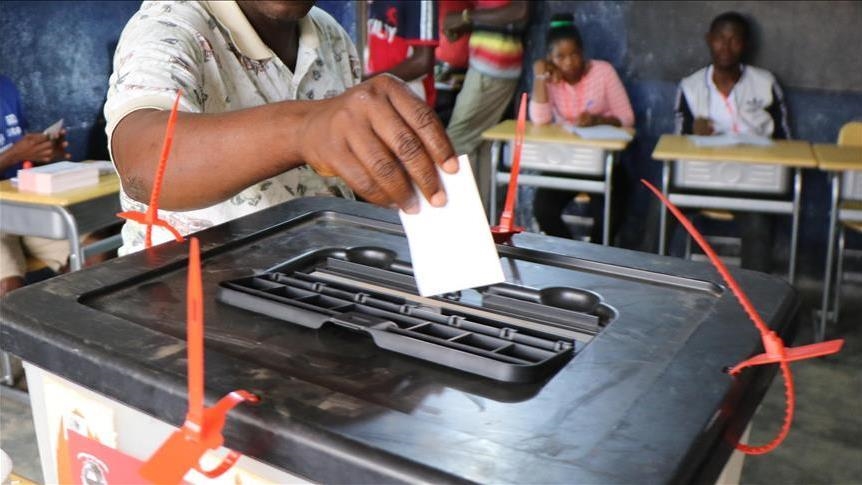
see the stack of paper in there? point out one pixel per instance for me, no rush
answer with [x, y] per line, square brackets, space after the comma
[599, 132]
[57, 177]
[727, 139]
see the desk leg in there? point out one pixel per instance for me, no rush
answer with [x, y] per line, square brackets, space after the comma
[662, 216]
[496, 156]
[827, 278]
[76, 255]
[609, 171]
[794, 234]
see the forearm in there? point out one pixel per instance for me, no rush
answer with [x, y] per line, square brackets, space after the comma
[213, 156]
[8, 158]
[417, 65]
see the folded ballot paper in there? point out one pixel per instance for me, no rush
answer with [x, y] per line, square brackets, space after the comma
[57, 177]
[729, 139]
[451, 247]
[599, 132]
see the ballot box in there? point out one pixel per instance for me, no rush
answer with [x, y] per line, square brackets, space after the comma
[589, 364]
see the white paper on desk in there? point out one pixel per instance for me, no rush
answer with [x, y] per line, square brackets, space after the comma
[599, 132]
[451, 247]
[727, 139]
[105, 167]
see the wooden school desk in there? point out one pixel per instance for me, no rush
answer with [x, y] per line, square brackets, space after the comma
[837, 159]
[568, 179]
[790, 153]
[62, 215]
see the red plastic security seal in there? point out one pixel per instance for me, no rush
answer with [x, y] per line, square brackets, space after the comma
[774, 349]
[504, 231]
[202, 429]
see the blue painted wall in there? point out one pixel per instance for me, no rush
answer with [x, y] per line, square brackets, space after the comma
[63, 72]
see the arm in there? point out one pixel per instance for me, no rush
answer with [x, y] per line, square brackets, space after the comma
[540, 106]
[377, 136]
[516, 13]
[778, 111]
[420, 63]
[36, 147]
[618, 100]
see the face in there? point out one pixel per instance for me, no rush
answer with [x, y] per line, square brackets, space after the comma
[726, 44]
[569, 59]
[291, 10]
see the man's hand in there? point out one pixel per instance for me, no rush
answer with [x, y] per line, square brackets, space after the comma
[59, 146]
[454, 26]
[381, 139]
[36, 147]
[702, 126]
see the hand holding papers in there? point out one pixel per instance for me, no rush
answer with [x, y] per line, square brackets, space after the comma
[451, 247]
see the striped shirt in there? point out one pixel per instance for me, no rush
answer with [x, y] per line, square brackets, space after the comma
[495, 54]
[599, 91]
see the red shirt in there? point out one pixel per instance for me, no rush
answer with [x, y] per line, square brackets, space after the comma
[456, 54]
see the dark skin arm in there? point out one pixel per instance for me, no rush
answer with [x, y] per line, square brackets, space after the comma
[515, 13]
[378, 136]
[420, 63]
[36, 147]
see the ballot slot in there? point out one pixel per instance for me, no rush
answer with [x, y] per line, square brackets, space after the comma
[515, 334]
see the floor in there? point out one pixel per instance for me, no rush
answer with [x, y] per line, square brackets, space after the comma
[824, 445]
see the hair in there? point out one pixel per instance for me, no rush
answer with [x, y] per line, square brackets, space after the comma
[732, 18]
[562, 27]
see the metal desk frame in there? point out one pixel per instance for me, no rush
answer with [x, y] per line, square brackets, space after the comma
[56, 221]
[604, 187]
[751, 204]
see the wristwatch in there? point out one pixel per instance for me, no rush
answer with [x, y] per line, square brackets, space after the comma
[465, 16]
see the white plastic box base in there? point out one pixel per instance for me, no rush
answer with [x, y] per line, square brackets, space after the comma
[55, 400]
[851, 185]
[732, 176]
[563, 158]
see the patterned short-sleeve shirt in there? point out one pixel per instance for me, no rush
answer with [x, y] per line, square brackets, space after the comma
[212, 54]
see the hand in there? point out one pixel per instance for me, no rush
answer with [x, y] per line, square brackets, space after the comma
[545, 69]
[36, 147]
[59, 147]
[702, 126]
[589, 119]
[381, 139]
[454, 26]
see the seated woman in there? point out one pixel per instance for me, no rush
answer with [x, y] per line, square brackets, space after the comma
[568, 88]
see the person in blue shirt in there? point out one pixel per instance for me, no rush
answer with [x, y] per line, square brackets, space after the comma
[16, 146]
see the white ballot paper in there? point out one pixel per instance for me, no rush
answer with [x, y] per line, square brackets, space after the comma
[729, 139]
[599, 132]
[451, 247]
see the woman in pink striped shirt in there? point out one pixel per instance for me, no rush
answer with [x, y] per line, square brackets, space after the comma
[570, 89]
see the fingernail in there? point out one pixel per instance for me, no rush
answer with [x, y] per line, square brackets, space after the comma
[412, 206]
[451, 165]
[438, 199]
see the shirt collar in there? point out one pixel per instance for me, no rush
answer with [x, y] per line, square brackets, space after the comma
[245, 38]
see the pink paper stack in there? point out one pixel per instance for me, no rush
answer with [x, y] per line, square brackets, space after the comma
[57, 177]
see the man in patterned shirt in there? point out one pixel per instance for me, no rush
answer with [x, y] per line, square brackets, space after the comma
[270, 110]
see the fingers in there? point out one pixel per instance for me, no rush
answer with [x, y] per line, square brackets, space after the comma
[424, 122]
[353, 171]
[384, 168]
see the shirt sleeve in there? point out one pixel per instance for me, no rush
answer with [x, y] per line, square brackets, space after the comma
[618, 99]
[683, 118]
[778, 111]
[155, 58]
[540, 113]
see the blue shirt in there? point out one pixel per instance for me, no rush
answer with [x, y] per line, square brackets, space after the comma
[13, 125]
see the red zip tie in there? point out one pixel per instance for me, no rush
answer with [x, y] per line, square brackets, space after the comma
[202, 429]
[774, 349]
[151, 218]
[504, 231]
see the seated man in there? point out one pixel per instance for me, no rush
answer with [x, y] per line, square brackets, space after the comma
[270, 110]
[16, 146]
[731, 97]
